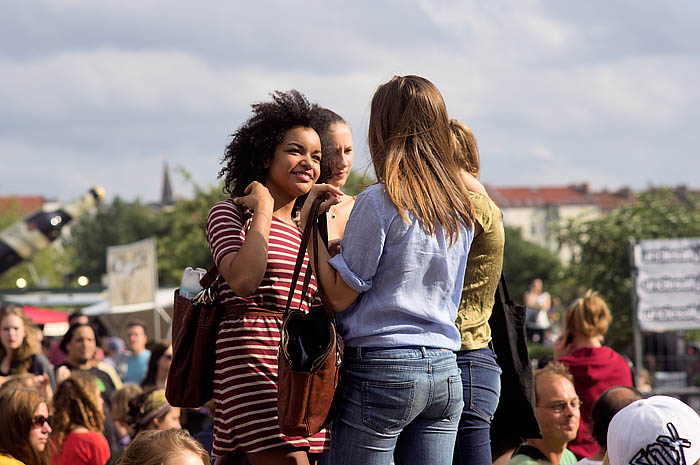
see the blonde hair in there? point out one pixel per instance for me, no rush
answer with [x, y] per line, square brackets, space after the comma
[157, 447]
[411, 146]
[75, 404]
[30, 343]
[466, 147]
[588, 315]
[17, 407]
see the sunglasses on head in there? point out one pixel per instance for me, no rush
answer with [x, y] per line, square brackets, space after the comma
[39, 420]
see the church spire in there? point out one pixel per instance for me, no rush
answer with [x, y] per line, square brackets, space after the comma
[166, 197]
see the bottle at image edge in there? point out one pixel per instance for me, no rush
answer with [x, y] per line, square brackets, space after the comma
[23, 238]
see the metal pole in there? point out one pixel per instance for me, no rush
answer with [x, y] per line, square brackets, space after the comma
[636, 331]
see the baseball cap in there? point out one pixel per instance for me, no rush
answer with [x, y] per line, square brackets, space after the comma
[659, 430]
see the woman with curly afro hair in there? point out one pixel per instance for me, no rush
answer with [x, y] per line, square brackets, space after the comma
[273, 159]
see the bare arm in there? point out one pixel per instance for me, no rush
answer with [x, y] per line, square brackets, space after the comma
[339, 293]
[244, 270]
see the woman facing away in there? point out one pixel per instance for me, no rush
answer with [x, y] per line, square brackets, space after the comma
[20, 351]
[397, 283]
[594, 366]
[338, 156]
[480, 373]
[24, 428]
[78, 422]
[273, 159]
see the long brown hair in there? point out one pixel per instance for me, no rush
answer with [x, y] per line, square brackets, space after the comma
[75, 404]
[413, 154]
[22, 357]
[17, 407]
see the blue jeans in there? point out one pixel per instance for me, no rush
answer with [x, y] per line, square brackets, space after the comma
[403, 400]
[481, 380]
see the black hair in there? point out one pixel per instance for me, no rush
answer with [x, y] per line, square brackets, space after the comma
[75, 315]
[69, 335]
[157, 350]
[253, 144]
[604, 410]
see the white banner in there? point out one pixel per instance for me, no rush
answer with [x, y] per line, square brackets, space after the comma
[668, 283]
[132, 273]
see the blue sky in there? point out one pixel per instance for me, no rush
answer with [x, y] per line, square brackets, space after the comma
[557, 92]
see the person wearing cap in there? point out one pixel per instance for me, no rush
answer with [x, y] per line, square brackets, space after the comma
[558, 413]
[659, 430]
[611, 401]
[149, 410]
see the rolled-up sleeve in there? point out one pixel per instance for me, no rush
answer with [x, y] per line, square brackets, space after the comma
[363, 241]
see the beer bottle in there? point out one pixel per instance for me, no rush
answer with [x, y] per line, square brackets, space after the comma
[25, 237]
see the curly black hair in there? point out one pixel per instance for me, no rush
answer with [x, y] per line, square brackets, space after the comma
[254, 143]
[323, 119]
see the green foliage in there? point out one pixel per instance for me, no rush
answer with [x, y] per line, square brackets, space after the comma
[115, 224]
[601, 261]
[185, 243]
[524, 261]
[357, 182]
[179, 232]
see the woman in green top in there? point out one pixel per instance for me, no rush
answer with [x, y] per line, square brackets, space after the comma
[480, 372]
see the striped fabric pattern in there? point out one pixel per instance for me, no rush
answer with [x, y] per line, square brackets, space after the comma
[226, 233]
[245, 378]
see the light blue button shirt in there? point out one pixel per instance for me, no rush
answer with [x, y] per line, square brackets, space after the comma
[410, 282]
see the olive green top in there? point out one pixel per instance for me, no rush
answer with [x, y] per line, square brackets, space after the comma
[484, 265]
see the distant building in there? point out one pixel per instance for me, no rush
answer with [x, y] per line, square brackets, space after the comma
[20, 204]
[537, 211]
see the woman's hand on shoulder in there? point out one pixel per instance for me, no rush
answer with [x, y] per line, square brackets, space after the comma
[257, 197]
[331, 195]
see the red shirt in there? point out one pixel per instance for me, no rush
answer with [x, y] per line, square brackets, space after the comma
[595, 369]
[88, 448]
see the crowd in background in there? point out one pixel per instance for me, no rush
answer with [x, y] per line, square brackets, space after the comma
[85, 399]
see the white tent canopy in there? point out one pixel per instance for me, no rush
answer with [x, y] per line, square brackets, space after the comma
[164, 299]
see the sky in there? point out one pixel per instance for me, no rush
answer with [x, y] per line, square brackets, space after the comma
[557, 92]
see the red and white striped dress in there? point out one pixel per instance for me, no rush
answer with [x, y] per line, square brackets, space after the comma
[245, 378]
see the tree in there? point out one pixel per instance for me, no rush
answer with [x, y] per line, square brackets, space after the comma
[185, 242]
[601, 260]
[115, 224]
[357, 182]
[524, 261]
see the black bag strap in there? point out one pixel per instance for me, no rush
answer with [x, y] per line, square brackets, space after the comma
[504, 286]
[310, 228]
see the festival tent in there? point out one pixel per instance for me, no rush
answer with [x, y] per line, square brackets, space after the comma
[55, 322]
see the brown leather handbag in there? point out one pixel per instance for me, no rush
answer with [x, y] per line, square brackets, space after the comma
[309, 355]
[195, 329]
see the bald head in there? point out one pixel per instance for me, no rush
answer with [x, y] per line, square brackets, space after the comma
[608, 404]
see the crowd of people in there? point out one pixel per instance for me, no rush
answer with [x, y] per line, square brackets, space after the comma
[92, 402]
[411, 269]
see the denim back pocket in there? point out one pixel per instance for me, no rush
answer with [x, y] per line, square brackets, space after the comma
[386, 407]
[454, 405]
[482, 384]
